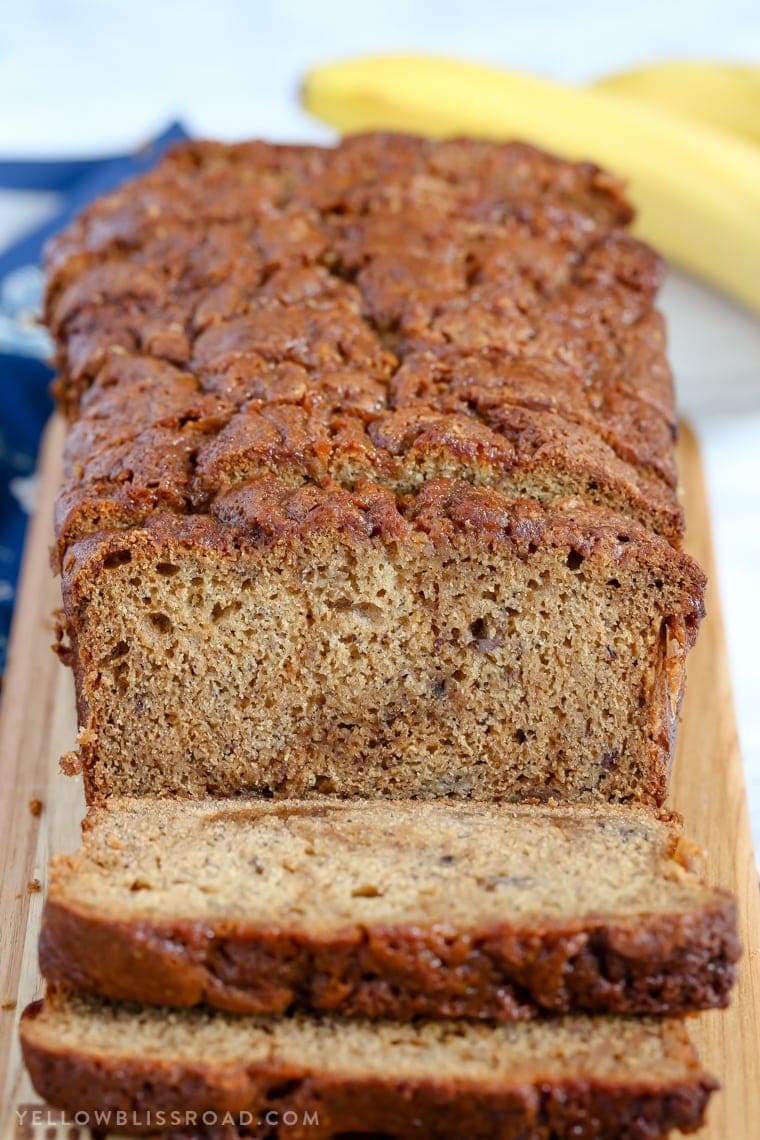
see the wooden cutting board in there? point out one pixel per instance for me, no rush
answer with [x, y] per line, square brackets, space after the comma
[37, 724]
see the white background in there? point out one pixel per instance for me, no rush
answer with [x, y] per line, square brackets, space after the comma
[82, 77]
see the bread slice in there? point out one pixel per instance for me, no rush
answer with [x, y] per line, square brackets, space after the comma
[435, 909]
[621, 1078]
[314, 639]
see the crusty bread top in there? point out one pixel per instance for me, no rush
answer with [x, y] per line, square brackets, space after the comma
[389, 309]
[323, 867]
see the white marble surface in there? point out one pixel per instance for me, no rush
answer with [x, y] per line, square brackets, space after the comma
[89, 76]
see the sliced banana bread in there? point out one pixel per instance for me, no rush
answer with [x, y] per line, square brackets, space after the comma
[617, 1078]
[323, 640]
[374, 910]
[370, 483]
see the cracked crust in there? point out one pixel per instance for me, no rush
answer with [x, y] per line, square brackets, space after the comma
[390, 309]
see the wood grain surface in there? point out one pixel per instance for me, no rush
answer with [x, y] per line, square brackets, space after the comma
[37, 725]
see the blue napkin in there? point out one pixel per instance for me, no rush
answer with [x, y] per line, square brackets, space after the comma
[24, 347]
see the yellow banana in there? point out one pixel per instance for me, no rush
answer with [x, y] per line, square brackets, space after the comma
[722, 95]
[697, 190]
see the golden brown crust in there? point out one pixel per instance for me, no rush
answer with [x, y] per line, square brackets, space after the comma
[389, 309]
[654, 964]
[264, 511]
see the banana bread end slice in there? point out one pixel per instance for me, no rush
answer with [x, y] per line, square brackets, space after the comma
[615, 1078]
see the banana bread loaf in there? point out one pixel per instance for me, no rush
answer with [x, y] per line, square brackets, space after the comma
[422, 908]
[369, 484]
[614, 1078]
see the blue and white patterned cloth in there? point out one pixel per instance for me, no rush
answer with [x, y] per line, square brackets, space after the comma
[25, 403]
